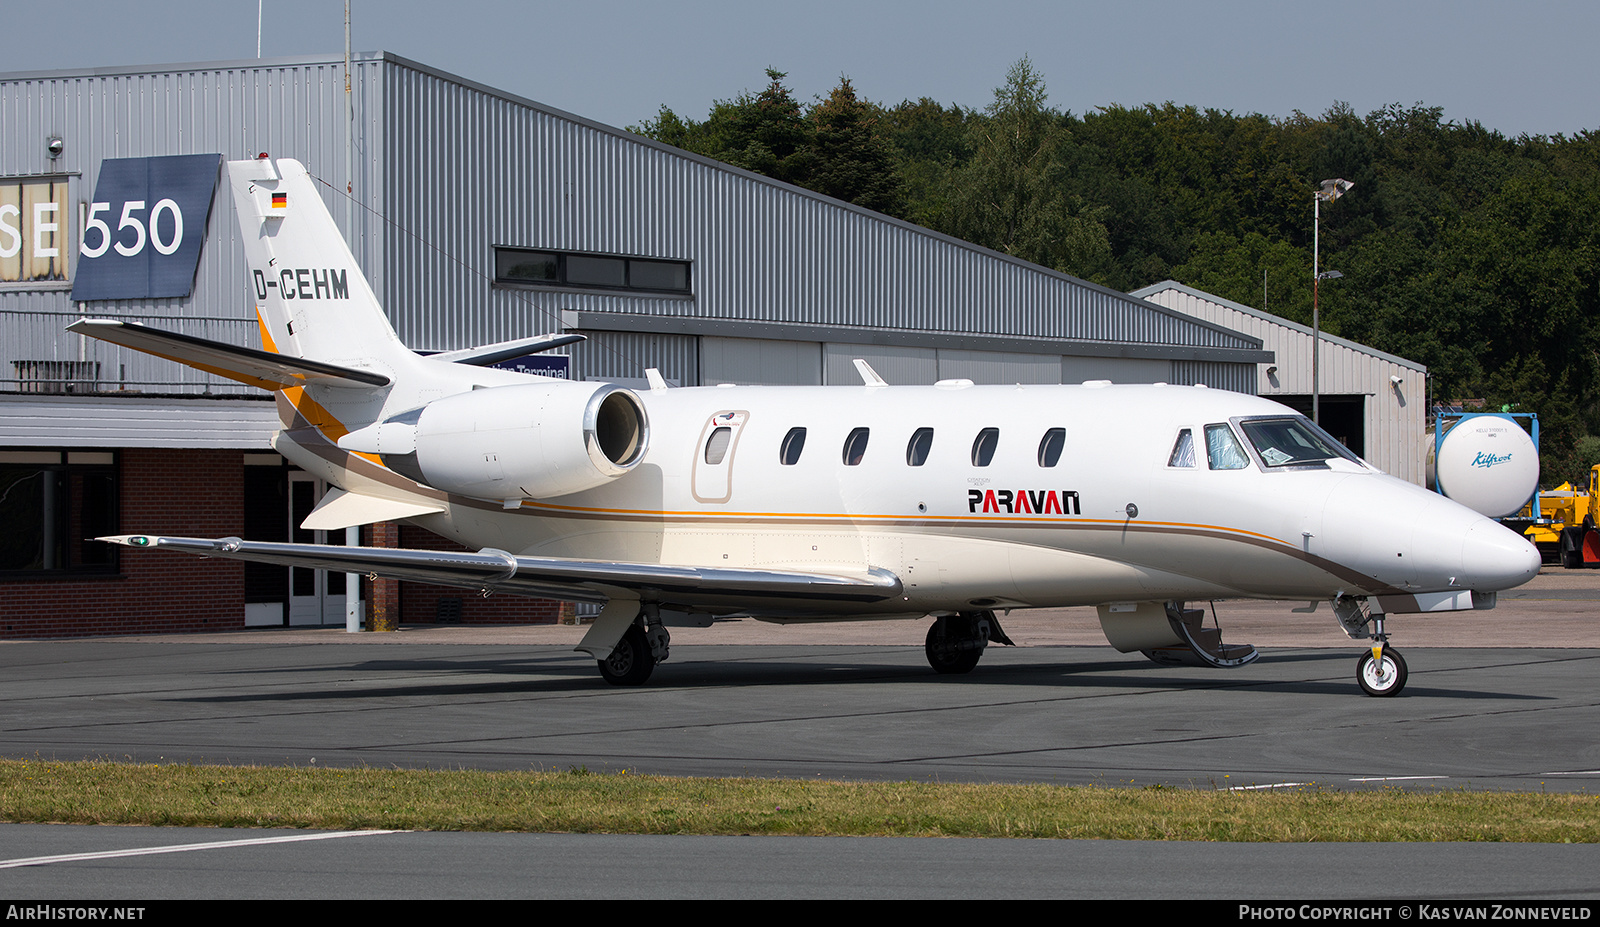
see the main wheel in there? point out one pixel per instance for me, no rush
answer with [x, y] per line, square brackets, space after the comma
[1382, 677]
[943, 654]
[631, 661]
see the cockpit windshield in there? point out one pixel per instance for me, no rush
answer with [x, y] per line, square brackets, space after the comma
[1292, 441]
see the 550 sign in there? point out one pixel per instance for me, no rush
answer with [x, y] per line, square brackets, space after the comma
[164, 244]
[159, 207]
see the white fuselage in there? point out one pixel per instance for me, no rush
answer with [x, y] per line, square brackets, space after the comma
[1111, 519]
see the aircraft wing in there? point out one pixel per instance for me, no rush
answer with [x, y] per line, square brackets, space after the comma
[247, 365]
[549, 577]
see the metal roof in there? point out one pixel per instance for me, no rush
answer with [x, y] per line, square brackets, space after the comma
[1153, 289]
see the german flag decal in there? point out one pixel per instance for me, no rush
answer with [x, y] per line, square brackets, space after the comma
[280, 201]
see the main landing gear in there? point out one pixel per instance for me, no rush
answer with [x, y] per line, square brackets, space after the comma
[635, 656]
[1381, 671]
[956, 642]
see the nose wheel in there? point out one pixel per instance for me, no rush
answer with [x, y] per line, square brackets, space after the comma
[1381, 671]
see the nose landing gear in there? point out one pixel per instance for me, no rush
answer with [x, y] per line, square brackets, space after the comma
[1381, 671]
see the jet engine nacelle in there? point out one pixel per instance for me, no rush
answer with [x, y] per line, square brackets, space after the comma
[529, 441]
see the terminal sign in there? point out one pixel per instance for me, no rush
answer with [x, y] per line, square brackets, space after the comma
[143, 230]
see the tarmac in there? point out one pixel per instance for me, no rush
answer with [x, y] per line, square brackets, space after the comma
[1558, 608]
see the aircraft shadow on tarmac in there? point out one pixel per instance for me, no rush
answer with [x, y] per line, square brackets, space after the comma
[563, 673]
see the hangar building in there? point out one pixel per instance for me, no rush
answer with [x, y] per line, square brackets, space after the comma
[478, 216]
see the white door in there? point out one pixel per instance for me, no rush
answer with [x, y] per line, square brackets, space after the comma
[316, 597]
[713, 458]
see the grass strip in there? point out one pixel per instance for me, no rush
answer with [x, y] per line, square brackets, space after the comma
[579, 801]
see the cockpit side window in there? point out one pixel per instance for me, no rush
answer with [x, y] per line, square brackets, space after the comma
[1222, 449]
[1182, 451]
[1293, 442]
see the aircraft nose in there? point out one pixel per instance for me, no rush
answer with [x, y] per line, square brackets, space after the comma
[1494, 557]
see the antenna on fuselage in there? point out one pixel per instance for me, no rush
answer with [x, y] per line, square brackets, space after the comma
[869, 377]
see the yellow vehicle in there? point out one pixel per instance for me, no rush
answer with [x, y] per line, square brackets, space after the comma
[1563, 524]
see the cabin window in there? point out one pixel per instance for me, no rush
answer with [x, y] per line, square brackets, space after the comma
[1050, 447]
[1222, 449]
[855, 446]
[1182, 451]
[918, 447]
[717, 444]
[983, 446]
[1293, 442]
[793, 443]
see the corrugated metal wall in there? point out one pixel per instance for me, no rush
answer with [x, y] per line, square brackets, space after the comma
[475, 169]
[289, 108]
[445, 170]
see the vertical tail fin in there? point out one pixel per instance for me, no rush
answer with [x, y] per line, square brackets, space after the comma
[311, 298]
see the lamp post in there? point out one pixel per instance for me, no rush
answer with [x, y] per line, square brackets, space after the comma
[1330, 191]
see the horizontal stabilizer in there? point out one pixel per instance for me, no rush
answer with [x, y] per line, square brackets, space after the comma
[246, 365]
[549, 577]
[339, 509]
[506, 350]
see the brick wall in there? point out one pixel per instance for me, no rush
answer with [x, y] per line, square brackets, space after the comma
[419, 602]
[198, 493]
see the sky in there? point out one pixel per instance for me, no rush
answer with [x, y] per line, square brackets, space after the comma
[1520, 68]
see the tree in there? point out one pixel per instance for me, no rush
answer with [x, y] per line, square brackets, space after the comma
[851, 158]
[766, 132]
[1008, 197]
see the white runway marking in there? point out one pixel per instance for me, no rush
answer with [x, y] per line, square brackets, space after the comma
[186, 847]
[1274, 785]
[1396, 778]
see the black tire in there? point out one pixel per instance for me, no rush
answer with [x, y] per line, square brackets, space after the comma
[1571, 551]
[631, 662]
[943, 656]
[1385, 680]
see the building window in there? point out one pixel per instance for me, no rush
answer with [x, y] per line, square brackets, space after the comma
[573, 270]
[52, 503]
[33, 231]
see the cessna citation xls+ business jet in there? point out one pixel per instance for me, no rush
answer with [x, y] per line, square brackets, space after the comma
[681, 506]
